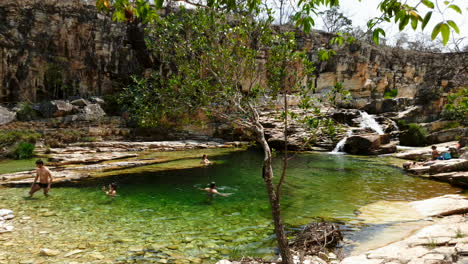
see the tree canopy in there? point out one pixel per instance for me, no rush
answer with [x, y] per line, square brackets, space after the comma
[416, 15]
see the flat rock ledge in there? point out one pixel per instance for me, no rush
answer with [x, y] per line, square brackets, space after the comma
[5, 216]
[89, 157]
[453, 171]
[444, 242]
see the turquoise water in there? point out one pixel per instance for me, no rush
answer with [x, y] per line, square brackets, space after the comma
[162, 217]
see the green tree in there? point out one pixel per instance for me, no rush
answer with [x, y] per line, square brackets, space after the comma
[335, 21]
[210, 63]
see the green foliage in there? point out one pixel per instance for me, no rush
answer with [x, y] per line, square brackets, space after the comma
[88, 139]
[9, 138]
[26, 112]
[414, 135]
[395, 11]
[457, 106]
[24, 150]
[60, 138]
[392, 93]
[209, 64]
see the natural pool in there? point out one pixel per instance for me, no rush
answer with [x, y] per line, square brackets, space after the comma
[161, 217]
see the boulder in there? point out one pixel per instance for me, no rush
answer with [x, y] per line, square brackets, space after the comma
[55, 108]
[6, 116]
[447, 135]
[91, 112]
[97, 100]
[346, 116]
[387, 148]
[442, 206]
[362, 144]
[80, 102]
[440, 166]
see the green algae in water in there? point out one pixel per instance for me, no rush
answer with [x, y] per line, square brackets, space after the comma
[161, 216]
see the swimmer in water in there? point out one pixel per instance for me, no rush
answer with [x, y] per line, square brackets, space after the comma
[212, 191]
[112, 192]
[205, 160]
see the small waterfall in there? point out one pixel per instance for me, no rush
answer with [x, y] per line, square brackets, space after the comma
[339, 147]
[369, 121]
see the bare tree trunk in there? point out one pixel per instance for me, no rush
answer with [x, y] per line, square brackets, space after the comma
[267, 174]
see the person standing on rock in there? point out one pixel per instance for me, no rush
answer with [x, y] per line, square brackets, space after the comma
[45, 178]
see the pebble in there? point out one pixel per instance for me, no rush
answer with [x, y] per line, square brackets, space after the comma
[74, 252]
[49, 252]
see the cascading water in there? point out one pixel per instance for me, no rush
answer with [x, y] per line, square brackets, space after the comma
[339, 147]
[367, 121]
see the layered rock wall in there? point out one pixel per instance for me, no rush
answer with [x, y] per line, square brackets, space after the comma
[369, 71]
[53, 49]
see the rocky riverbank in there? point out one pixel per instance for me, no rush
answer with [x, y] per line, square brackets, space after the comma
[453, 171]
[83, 160]
[444, 241]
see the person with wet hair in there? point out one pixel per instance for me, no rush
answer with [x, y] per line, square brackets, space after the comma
[112, 192]
[205, 160]
[212, 190]
[44, 176]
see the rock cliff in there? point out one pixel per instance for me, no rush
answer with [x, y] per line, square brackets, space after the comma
[53, 49]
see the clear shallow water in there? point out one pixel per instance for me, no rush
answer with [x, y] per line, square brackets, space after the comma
[161, 216]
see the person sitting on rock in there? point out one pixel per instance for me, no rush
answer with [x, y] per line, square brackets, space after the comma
[205, 160]
[212, 190]
[435, 154]
[112, 192]
[45, 178]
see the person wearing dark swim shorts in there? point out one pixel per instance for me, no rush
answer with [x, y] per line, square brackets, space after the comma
[44, 176]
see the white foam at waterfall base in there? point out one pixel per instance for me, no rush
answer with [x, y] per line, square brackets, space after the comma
[369, 121]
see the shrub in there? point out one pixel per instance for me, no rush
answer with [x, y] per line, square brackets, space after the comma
[9, 138]
[88, 139]
[24, 150]
[415, 135]
[457, 107]
[389, 94]
[26, 112]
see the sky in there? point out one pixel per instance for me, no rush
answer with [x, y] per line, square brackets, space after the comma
[361, 12]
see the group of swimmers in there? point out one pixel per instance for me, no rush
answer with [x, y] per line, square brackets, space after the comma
[44, 180]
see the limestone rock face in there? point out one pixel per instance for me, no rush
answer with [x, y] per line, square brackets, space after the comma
[6, 116]
[53, 49]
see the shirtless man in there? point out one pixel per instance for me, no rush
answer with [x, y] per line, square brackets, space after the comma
[45, 179]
